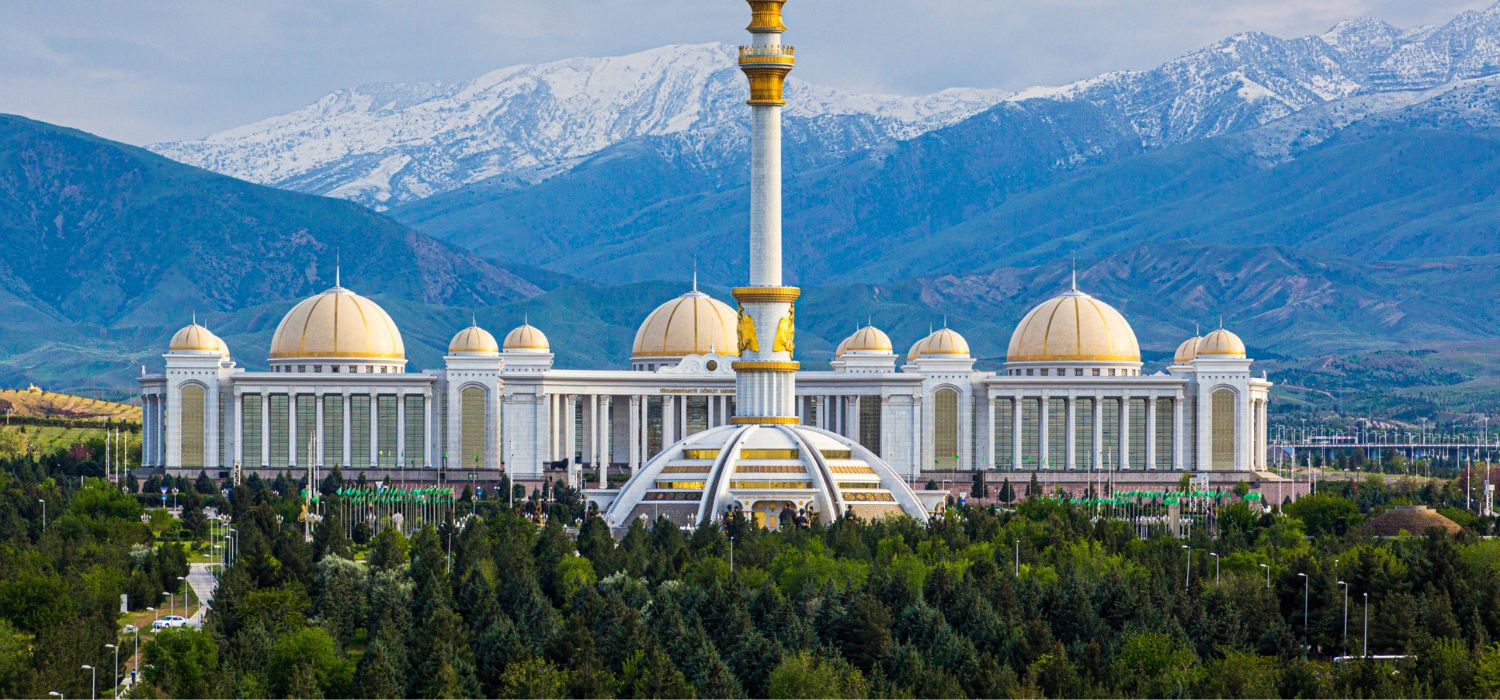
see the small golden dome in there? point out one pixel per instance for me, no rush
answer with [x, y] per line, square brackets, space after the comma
[692, 324]
[843, 345]
[868, 340]
[196, 338]
[337, 323]
[526, 338]
[1073, 327]
[1187, 351]
[1221, 343]
[474, 340]
[945, 341]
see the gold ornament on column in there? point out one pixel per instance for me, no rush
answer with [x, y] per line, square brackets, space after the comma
[786, 329]
[747, 332]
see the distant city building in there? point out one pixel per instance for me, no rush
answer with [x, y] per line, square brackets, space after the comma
[714, 414]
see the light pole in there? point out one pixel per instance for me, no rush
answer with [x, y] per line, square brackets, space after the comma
[1187, 569]
[1215, 555]
[154, 617]
[1306, 589]
[171, 602]
[1018, 558]
[43, 501]
[117, 667]
[181, 583]
[93, 676]
[135, 658]
[1366, 652]
[731, 554]
[1267, 567]
[1345, 641]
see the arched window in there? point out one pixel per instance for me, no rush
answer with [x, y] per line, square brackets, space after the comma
[1223, 430]
[192, 425]
[945, 429]
[472, 443]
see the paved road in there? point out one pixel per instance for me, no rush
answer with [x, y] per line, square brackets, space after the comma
[203, 584]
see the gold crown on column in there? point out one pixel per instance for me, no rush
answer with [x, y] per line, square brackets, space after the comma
[766, 65]
[765, 16]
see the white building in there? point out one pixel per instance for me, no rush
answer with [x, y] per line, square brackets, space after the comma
[714, 413]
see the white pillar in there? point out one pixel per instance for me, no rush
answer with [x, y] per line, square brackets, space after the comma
[1070, 432]
[239, 427]
[989, 431]
[291, 431]
[374, 429]
[1043, 433]
[1016, 429]
[1124, 460]
[1177, 462]
[636, 447]
[348, 423]
[1099, 432]
[320, 449]
[265, 429]
[1150, 432]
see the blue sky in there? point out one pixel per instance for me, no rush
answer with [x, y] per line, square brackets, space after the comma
[144, 71]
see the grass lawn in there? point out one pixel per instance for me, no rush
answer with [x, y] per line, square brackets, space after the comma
[46, 438]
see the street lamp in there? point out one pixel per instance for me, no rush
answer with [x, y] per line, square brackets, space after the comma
[117, 667]
[1366, 652]
[180, 587]
[93, 676]
[1345, 584]
[135, 658]
[1018, 558]
[1306, 589]
[1215, 555]
[1267, 567]
[171, 602]
[43, 501]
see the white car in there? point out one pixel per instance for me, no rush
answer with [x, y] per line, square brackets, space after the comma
[169, 621]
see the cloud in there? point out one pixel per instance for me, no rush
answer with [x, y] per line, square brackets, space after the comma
[170, 69]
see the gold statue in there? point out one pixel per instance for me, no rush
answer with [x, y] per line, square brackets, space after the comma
[786, 329]
[747, 332]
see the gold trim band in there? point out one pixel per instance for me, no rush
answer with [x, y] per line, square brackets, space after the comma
[784, 295]
[765, 420]
[321, 355]
[766, 366]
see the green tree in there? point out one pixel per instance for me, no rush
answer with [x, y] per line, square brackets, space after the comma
[309, 654]
[1155, 664]
[803, 675]
[183, 662]
[533, 678]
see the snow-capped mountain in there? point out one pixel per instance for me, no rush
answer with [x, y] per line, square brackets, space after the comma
[1252, 79]
[388, 143]
[384, 145]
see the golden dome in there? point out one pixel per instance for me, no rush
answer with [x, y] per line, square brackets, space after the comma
[474, 340]
[196, 338]
[943, 341]
[1187, 351]
[1221, 343]
[1073, 327]
[868, 339]
[526, 338]
[337, 323]
[843, 345]
[692, 324]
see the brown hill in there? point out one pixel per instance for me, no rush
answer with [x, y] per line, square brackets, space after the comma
[33, 402]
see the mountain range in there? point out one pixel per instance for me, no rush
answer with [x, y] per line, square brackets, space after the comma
[1331, 197]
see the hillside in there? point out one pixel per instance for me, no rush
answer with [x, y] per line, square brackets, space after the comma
[110, 248]
[33, 402]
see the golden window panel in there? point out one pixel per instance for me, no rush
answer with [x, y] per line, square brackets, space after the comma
[859, 485]
[700, 454]
[837, 454]
[769, 454]
[474, 410]
[852, 470]
[770, 484]
[673, 496]
[945, 429]
[684, 469]
[680, 485]
[1223, 430]
[192, 425]
[880, 496]
[770, 469]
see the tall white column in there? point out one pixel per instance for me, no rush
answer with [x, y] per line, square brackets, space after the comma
[989, 432]
[1177, 441]
[239, 428]
[374, 429]
[1150, 433]
[1043, 433]
[1124, 460]
[1099, 435]
[430, 434]
[1015, 432]
[636, 445]
[400, 431]
[265, 429]
[292, 446]
[320, 447]
[348, 423]
[1069, 432]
